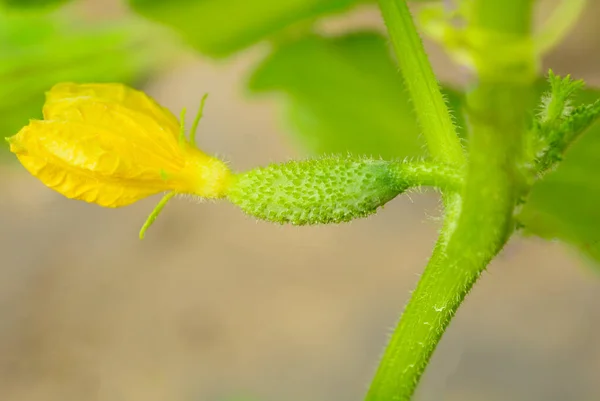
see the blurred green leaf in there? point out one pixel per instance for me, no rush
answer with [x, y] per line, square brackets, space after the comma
[565, 204]
[39, 51]
[32, 4]
[220, 27]
[343, 94]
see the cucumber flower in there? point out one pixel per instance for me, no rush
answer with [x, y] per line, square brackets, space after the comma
[112, 145]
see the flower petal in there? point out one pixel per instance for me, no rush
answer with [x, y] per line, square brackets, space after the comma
[77, 183]
[112, 145]
[153, 143]
[62, 97]
[83, 164]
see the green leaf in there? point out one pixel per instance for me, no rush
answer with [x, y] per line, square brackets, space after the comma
[344, 94]
[220, 27]
[565, 204]
[32, 4]
[40, 51]
[556, 103]
[574, 125]
[560, 123]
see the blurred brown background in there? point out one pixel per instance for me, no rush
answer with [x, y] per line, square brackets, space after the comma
[214, 305]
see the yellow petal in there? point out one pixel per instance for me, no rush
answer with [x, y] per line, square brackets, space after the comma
[61, 98]
[79, 169]
[112, 145]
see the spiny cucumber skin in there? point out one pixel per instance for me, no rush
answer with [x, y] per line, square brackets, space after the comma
[320, 191]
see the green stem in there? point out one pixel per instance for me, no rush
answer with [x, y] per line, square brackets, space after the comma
[431, 110]
[561, 21]
[478, 223]
[427, 174]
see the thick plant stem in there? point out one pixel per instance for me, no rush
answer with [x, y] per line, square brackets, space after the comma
[431, 110]
[478, 223]
[483, 227]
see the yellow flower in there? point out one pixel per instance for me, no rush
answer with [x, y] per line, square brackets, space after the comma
[112, 145]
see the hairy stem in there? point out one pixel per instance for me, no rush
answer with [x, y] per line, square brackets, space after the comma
[431, 110]
[477, 224]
